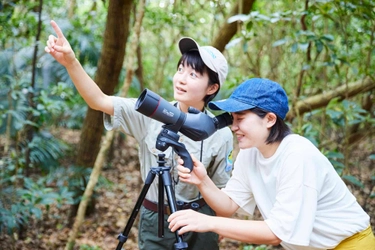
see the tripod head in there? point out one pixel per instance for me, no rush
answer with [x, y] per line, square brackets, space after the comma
[168, 138]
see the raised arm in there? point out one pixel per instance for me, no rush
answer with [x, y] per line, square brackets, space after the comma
[60, 49]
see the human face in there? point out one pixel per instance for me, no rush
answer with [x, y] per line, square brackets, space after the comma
[250, 129]
[190, 87]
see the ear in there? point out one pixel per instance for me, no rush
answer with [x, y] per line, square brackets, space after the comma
[270, 119]
[212, 89]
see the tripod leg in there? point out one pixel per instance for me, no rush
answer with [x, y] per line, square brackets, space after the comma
[161, 207]
[124, 235]
[167, 180]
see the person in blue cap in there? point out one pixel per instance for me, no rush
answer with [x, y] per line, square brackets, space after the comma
[303, 201]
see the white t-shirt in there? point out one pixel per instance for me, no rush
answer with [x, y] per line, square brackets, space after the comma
[299, 194]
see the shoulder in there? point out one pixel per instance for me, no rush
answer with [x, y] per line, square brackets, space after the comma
[296, 144]
[122, 101]
[300, 155]
[122, 104]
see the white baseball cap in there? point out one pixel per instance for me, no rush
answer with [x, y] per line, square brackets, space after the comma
[211, 57]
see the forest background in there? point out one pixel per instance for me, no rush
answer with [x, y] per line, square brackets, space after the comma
[54, 149]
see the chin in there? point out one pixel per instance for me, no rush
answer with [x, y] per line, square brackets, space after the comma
[244, 146]
[180, 98]
[177, 95]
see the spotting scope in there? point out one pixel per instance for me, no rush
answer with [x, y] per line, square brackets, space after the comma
[195, 124]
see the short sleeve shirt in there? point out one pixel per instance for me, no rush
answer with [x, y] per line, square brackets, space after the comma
[299, 194]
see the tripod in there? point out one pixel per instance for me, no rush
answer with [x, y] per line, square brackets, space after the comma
[165, 139]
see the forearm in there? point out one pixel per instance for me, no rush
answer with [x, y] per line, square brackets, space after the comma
[88, 89]
[216, 199]
[254, 232]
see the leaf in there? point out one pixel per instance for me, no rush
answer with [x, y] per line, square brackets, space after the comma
[327, 37]
[233, 43]
[303, 46]
[319, 46]
[335, 155]
[249, 26]
[352, 179]
[280, 42]
[240, 17]
[294, 47]
[36, 212]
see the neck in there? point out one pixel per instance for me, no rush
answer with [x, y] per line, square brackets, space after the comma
[184, 107]
[269, 150]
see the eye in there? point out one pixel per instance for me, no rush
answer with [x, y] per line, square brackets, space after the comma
[193, 75]
[237, 118]
[180, 68]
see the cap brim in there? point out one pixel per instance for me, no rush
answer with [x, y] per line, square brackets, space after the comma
[186, 44]
[229, 105]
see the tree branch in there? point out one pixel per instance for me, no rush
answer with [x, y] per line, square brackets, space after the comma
[321, 100]
[228, 30]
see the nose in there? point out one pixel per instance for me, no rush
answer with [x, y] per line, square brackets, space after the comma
[234, 126]
[181, 77]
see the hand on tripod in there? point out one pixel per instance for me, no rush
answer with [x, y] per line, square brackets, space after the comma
[187, 175]
[165, 139]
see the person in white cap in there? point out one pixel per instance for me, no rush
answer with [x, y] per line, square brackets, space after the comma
[304, 202]
[201, 71]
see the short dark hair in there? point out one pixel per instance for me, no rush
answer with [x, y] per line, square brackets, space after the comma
[193, 59]
[278, 131]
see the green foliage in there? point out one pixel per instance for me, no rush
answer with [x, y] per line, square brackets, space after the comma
[336, 159]
[87, 247]
[23, 199]
[28, 112]
[252, 247]
[354, 180]
[75, 179]
[347, 113]
[315, 49]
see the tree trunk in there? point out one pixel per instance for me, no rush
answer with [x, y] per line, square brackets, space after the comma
[321, 100]
[228, 30]
[99, 161]
[107, 77]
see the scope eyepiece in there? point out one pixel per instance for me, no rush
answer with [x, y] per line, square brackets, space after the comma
[223, 120]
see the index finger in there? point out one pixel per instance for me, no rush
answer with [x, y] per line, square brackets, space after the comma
[57, 29]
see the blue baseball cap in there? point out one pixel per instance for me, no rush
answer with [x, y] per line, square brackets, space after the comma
[255, 92]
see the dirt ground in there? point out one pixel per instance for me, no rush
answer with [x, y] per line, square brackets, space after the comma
[113, 206]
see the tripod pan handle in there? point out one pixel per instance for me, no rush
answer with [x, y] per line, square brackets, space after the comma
[188, 162]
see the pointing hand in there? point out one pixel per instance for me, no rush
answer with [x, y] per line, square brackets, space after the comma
[59, 47]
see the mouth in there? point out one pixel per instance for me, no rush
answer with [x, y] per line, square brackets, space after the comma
[180, 90]
[239, 137]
